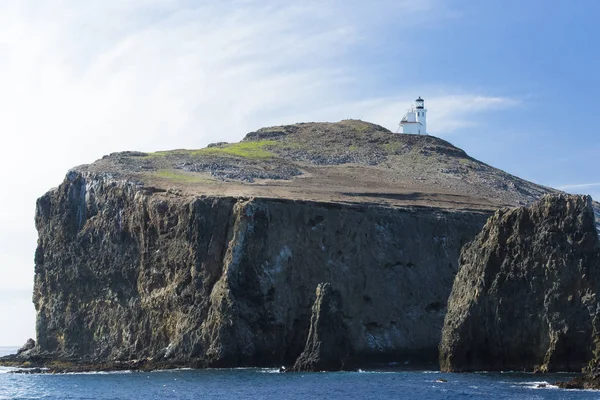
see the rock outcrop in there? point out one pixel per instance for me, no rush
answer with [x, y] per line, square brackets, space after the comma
[26, 349]
[526, 294]
[211, 257]
[590, 379]
[328, 346]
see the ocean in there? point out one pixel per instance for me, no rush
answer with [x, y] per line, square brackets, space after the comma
[257, 383]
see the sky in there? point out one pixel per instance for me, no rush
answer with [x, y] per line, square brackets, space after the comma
[512, 82]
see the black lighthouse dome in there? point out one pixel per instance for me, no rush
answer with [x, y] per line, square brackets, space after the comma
[420, 102]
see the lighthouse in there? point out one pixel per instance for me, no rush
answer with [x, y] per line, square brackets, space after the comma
[415, 119]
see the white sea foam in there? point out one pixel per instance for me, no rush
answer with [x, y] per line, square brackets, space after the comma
[362, 371]
[535, 385]
[270, 371]
[171, 369]
[127, 371]
[547, 385]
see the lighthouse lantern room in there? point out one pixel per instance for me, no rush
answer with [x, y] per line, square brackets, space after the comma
[415, 119]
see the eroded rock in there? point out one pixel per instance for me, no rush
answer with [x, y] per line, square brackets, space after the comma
[526, 294]
[26, 348]
[328, 347]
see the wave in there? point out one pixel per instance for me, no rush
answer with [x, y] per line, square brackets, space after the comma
[269, 371]
[546, 385]
[126, 371]
[170, 370]
[535, 385]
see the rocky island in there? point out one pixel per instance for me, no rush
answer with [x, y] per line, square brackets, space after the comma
[314, 245]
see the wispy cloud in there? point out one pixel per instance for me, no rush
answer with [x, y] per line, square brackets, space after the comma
[448, 113]
[82, 79]
[453, 112]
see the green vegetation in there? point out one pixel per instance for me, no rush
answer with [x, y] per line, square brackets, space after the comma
[180, 176]
[250, 149]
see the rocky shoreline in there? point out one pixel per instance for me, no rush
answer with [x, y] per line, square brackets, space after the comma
[39, 365]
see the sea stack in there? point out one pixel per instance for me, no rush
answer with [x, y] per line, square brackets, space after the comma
[526, 294]
[327, 346]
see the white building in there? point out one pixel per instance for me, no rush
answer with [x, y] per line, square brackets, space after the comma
[415, 120]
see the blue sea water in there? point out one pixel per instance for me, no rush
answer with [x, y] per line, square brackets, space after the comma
[255, 383]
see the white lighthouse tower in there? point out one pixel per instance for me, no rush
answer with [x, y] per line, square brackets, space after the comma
[415, 120]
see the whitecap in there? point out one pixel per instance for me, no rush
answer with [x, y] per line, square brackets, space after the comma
[534, 385]
[270, 371]
[171, 369]
[127, 371]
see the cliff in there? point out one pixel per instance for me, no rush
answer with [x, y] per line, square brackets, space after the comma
[212, 257]
[223, 281]
[525, 297]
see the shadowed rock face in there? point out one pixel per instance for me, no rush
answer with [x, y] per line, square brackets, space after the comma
[525, 297]
[211, 257]
[327, 346]
[125, 272]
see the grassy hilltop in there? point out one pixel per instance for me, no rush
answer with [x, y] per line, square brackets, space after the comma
[347, 161]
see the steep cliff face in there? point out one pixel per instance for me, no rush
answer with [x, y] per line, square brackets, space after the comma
[127, 272]
[212, 257]
[526, 295]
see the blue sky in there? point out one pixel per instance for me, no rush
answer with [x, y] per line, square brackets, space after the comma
[540, 53]
[513, 83]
